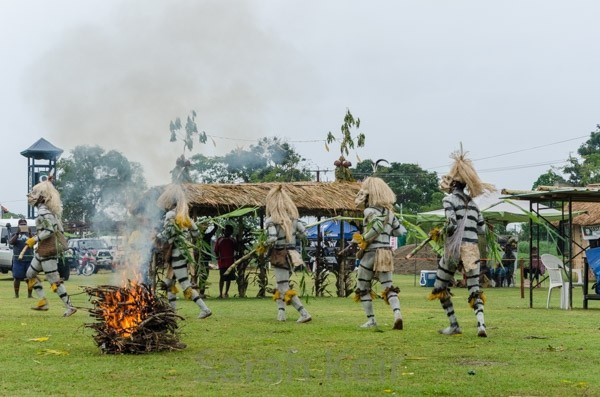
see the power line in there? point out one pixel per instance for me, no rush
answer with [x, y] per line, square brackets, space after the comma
[518, 151]
[532, 148]
[420, 174]
[430, 168]
[518, 167]
[258, 139]
[323, 140]
[512, 167]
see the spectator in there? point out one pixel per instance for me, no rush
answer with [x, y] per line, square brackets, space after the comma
[20, 265]
[225, 252]
[499, 274]
[536, 268]
[508, 262]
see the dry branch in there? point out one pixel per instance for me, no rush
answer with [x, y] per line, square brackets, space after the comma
[132, 320]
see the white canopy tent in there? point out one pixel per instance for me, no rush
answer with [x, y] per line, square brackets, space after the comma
[497, 209]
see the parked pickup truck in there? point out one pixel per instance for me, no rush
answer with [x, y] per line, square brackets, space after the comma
[6, 252]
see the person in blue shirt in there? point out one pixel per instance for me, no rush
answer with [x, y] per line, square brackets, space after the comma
[20, 263]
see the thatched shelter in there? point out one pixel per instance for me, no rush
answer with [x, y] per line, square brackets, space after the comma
[570, 199]
[318, 199]
[312, 198]
[583, 203]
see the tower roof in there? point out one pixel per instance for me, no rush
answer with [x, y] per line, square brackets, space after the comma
[42, 150]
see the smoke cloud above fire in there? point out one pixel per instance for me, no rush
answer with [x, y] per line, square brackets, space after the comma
[119, 85]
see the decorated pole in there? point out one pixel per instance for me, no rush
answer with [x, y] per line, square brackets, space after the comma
[418, 247]
[243, 259]
[434, 235]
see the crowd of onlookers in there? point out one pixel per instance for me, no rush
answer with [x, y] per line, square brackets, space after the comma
[503, 274]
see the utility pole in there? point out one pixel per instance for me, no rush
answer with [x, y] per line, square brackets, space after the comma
[318, 173]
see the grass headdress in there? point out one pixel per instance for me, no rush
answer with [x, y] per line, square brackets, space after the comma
[380, 194]
[463, 171]
[175, 198]
[45, 192]
[281, 209]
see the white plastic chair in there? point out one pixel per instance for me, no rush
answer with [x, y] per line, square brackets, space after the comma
[578, 273]
[554, 268]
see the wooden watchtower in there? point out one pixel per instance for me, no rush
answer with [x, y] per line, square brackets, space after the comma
[41, 161]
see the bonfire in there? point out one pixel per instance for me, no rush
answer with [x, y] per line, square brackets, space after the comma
[132, 320]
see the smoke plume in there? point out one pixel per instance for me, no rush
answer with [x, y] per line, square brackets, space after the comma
[120, 84]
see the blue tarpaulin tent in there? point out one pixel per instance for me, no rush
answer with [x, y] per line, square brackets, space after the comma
[330, 230]
[593, 259]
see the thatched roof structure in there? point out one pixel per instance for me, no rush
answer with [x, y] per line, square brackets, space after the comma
[585, 201]
[311, 198]
[591, 215]
[591, 208]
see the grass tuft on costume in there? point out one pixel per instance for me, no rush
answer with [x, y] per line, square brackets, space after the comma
[441, 294]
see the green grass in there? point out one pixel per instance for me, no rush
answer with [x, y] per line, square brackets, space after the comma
[243, 350]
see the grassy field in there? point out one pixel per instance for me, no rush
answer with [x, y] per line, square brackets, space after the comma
[243, 350]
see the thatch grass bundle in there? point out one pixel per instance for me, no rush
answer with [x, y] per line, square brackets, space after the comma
[314, 198]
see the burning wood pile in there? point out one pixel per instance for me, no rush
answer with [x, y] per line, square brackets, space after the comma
[132, 320]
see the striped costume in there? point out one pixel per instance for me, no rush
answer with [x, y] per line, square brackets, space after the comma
[464, 223]
[46, 224]
[282, 252]
[181, 254]
[379, 224]
[283, 228]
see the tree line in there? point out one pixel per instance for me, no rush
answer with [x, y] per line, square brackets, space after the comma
[98, 186]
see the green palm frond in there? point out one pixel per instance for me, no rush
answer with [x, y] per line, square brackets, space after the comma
[494, 250]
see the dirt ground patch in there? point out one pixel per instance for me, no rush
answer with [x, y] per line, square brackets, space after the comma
[425, 259]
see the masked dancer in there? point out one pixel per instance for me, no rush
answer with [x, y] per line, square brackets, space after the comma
[46, 199]
[178, 231]
[464, 223]
[379, 223]
[283, 228]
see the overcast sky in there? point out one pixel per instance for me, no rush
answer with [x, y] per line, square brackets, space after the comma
[516, 82]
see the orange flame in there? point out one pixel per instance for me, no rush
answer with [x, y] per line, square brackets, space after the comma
[123, 309]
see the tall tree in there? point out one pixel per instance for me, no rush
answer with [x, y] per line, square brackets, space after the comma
[550, 178]
[416, 189]
[270, 160]
[585, 171]
[96, 186]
